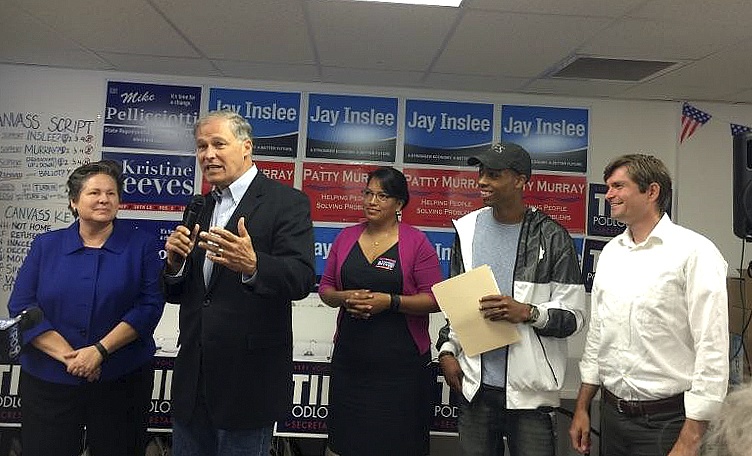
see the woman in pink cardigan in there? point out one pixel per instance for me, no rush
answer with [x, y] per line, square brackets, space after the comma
[379, 273]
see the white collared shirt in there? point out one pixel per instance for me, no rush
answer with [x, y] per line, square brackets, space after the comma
[659, 324]
[227, 201]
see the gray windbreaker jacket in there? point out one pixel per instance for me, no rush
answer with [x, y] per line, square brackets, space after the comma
[546, 274]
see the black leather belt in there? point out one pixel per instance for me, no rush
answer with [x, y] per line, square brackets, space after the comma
[641, 408]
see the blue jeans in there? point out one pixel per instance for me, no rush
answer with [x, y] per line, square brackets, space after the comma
[201, 438]
[485, 422]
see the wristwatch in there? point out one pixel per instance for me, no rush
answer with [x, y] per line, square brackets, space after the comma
[534, 314]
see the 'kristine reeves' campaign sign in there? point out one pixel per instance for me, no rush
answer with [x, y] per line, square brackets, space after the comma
[446, 133]
[150, 116]
[352, 127]
[557, 138]
[155, 182]
[274, 116]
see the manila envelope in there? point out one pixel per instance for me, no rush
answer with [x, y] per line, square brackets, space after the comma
[458, 298]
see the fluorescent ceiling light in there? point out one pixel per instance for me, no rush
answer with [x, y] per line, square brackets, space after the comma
[452, 3]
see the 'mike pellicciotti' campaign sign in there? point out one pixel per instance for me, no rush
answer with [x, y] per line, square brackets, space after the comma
[352, 127]
[155, 182]
[150, 116]
[274, 116]
[599, 221]
[439, 196]
[446, 133]
[556, 138]
[592, 251]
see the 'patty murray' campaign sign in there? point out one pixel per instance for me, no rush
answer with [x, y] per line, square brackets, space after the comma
[439, 196]
[274, 117]
[155, 182]
[352, 127]
[335, 191]
[150, 116]
[557, 138]
[446, 133]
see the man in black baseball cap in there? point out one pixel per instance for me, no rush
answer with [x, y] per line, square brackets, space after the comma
[504, 156]
[511, 390]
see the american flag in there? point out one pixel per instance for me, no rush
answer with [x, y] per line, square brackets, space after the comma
[691, 119]
[737, 129]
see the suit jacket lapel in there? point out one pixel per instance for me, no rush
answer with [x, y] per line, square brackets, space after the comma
[246, 208]
[204, 221]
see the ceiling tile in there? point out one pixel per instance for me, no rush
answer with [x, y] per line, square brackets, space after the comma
[511, 44]
[379, 36]
[474, 83]
[266, 31]
[268, 71]
[569, 87]
[651, 39]
[604, 8]
[121, 26]
[27, 40]
[371, 77]
[162, 65]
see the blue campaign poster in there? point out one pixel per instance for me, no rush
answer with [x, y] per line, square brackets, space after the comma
[599, 221]
[274, 117]
[593, 249]
[150, 116]
[160, 229]
[557, 138]
[323, 237]
[352, 127]
[155, 182]
[446, 133]
[442, 242]
[579, 244]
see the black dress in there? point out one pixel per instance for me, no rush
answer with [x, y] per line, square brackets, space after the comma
[380, 385]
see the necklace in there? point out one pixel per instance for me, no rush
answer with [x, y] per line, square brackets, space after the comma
[377, 240]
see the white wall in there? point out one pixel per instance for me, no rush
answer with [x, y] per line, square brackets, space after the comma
[701, 167]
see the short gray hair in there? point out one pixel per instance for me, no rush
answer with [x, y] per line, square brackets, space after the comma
[239, 126]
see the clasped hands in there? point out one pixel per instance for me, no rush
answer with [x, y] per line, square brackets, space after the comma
[223, 247]
[85, 362]
[364, 303]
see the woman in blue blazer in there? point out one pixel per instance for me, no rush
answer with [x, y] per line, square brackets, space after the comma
[88, 363]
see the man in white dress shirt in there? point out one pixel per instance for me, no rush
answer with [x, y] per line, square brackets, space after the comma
[657, 347]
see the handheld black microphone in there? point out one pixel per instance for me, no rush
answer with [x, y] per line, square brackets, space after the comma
[27, 319]
[190, 217]
[30, 317]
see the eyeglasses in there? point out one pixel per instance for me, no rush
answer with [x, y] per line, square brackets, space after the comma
[380, 196]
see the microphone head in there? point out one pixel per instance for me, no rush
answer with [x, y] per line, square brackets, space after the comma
[190, 216]
[30, 317]
[197, 201]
